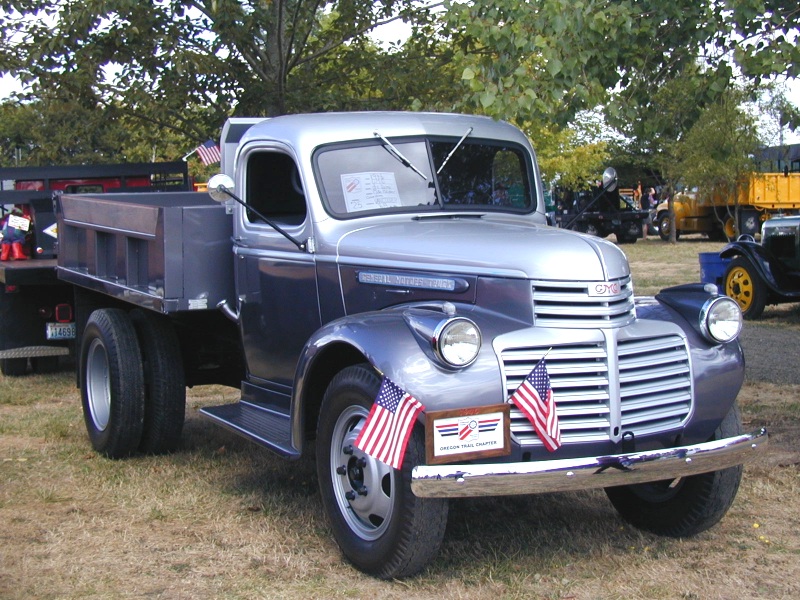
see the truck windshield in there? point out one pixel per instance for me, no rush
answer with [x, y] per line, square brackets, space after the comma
[370, 178]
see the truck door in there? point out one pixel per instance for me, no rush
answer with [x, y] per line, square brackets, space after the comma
[276, 282]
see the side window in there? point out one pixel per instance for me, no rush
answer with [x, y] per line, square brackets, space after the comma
[274, 188]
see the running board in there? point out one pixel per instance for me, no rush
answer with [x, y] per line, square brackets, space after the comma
[260, 425]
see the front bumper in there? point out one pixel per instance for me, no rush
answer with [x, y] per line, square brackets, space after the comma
[572, 474]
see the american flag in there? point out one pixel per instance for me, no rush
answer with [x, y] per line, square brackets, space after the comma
[534, 398]
[385, 433]
[208, 152]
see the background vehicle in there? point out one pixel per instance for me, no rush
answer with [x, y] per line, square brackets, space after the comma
[761, 196]
[600, 212]
[765, 273]
[36, 309]
[348, 254]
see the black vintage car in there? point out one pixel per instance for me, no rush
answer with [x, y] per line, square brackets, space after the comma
[600, 211]
[765, 273]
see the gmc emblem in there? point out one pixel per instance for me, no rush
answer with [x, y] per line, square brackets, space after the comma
[605, 288]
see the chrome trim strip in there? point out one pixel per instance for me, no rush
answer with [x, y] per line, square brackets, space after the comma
[572, 474]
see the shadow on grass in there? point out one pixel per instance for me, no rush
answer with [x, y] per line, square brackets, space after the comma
[487, 533]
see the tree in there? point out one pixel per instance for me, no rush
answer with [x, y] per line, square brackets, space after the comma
[218, 56]
[716, 155]
[565, 159]
[553, 58]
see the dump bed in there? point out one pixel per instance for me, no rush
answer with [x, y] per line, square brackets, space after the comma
[168, 251]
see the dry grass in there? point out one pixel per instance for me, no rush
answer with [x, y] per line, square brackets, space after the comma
[225, 519]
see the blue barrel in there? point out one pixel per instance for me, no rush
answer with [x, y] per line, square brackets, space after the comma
[712, 267]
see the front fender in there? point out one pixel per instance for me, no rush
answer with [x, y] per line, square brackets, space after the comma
[393, 342]
[717, 369]
[767, 267]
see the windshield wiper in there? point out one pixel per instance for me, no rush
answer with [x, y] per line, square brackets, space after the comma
[453, 151]
[399, 155]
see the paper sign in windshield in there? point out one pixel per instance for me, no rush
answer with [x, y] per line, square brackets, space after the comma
[370, 191]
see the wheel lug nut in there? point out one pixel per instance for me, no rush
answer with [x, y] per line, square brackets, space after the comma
[347, 449]
[362, 462]
[350, 495]
[341, 470]
[362, 491]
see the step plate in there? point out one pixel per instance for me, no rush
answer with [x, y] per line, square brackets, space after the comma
[260, 425]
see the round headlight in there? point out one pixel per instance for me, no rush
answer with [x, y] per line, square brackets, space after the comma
[457, 342]
[721, 319]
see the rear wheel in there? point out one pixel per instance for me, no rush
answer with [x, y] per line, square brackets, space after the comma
[112, 383]
[730, 229]
[165, 387]
[686, 506]
[743, 284]
[14, 367]
[381, 527]
[44, 364]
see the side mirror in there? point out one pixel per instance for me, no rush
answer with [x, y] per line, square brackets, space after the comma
[220, 187]
[609, 179]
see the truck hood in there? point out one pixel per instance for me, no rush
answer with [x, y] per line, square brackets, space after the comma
[487, 246]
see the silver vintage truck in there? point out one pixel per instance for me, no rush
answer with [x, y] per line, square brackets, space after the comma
[387, 282]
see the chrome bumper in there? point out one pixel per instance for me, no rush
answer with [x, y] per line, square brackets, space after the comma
[571, 474]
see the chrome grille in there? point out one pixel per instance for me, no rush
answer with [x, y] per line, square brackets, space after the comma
[582, 304]
[654, 391]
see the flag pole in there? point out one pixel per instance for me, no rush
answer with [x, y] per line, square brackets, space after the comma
[188, 155]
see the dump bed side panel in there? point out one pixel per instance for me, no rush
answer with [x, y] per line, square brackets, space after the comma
[165, 251]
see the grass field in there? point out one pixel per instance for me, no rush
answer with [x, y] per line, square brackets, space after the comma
[225, 519]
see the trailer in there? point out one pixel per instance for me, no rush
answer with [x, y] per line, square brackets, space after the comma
[36, 309]
[385, 293]
[759, 197]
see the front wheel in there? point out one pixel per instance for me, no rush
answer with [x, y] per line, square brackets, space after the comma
[686, 506]
[590, 228]
[380, 526]
[743, 284]
[665, 226]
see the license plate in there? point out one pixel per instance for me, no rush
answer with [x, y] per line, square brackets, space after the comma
[61, 331]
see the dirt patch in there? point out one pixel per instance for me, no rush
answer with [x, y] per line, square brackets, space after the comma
[771, 353]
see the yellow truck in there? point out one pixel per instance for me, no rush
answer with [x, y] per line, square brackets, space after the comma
[763, 195]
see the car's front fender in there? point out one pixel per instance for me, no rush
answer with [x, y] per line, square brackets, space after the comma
[394, 342]
[764, 265]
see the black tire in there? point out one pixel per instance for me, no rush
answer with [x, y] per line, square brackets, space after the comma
[14, 367]
[44, 364]
[665, 225]
[717, 235]
[112, 383]
[687, 506]
[164, 383]
[385, 531]
[743, 284]
[626, 239]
